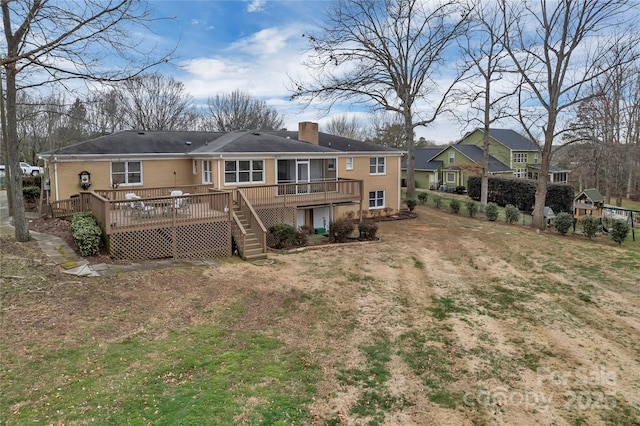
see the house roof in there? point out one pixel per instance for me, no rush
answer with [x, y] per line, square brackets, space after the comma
[255, 141]
[423, 157]
[552, 168]
[189, 143]
[338, 143]
[512, 140]
[138, 142]
[593, 194]
[476, 154]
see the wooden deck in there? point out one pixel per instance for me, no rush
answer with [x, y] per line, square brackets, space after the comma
[155, 226]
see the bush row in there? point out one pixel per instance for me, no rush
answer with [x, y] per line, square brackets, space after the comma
[521, 193]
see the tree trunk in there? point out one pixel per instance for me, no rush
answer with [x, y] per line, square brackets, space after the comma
[543, 179]
[14, 180]
[411, 161]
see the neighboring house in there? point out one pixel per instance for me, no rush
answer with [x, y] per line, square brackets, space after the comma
[510, 154]
[589, 202]
[299, 177]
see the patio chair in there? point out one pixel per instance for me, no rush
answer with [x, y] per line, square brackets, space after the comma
[180, 204]
[138, 207]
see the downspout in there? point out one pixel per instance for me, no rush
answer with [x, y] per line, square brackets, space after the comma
[55, 173]
[399, 184]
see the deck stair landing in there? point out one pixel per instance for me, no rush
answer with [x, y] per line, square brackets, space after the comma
[253, 250]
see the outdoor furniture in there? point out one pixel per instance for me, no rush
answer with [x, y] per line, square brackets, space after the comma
[180, 204]
[138, 207]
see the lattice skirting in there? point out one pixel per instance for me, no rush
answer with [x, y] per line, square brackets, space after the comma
[272, 216]
[201, 240]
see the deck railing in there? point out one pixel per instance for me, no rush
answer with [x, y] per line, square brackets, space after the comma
[160, 191]
[304, 193]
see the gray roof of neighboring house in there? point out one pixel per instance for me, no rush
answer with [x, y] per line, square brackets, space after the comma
[552, 168]
[475, 153]
[513, 140]
[189, 142]
[423, 157]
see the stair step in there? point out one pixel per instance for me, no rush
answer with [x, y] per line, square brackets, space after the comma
[255, 257]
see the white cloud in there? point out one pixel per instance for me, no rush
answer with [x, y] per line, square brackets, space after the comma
[256, 6]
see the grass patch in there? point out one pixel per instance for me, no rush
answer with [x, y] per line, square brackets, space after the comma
[417, 263]
[433, 364]
[443, 308]
[375, 400]
[194, 376]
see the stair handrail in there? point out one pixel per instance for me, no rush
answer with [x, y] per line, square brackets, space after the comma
[254, 220]
[242, 243]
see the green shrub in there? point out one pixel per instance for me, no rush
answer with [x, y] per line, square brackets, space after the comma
[31, 193]
[563, 222]
[422, 197]
[511, 213]
[284, 235]
[521, 193]
[340, 230]
[437, 201]
[86, 233]
[472, 207]
[619, 231]
[411, 204]
[367, 230]
[492, 212]
[590, 226]
[455, 206]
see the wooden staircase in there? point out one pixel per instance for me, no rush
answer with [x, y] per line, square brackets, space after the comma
[253, 250]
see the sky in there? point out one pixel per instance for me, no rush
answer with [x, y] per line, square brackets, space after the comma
[254, 46]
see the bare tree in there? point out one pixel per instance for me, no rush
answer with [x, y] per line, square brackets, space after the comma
[240, 111]
[57, 41]
[105, 114]
[345, 126]
[155, 102]
[555, 63]
[385, 53]
[388, 130]
[485, 92]
[607, 125]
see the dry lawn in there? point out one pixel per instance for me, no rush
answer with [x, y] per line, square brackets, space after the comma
[446, 321]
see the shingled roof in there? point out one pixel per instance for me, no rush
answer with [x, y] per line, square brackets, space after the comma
[513, 140]
[188, 142]
[476, 154]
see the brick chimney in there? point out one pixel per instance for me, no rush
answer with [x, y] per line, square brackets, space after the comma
[308, 132]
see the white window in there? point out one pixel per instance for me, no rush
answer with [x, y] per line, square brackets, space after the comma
[377, 166]
[520, 157]
[452, 157]
[349, 163]
[560, 177]
[376, 200]
[126, 172]
[520, 173]
[207, 175]
[244, 171]
[535, 158]
[331, 164]
[451, 177]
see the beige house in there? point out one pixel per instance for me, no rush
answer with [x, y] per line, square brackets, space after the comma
[302, 178]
